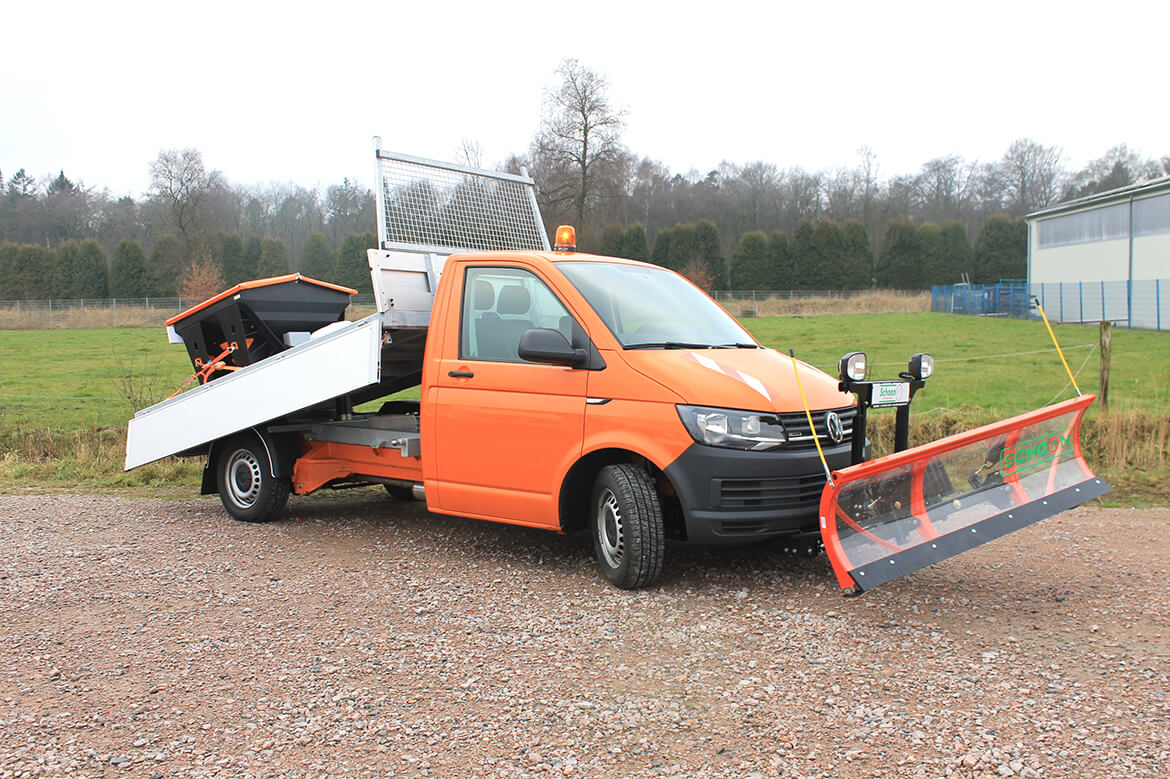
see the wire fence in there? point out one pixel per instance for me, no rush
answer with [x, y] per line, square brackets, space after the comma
[755, 303]
[150, 312]
[1141, 305]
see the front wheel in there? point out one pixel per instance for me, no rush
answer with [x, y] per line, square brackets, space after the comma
[628, 535]
[249, 491]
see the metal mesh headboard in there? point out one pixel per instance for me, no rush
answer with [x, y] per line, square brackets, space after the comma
[424, 205]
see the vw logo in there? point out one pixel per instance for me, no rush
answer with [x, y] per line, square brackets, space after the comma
[834, 427]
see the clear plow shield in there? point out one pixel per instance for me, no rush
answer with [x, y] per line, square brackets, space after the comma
[887, 517]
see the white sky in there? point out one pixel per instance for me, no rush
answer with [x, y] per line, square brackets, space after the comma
[295, 91]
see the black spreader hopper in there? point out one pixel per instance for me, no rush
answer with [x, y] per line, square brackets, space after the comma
[249, 322]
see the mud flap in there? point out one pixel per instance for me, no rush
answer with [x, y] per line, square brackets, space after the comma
[887, 517]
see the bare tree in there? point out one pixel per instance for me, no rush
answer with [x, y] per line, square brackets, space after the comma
[944, 188]
[180, 183]
[1029, 174]
[578, 150]
[1118, 167]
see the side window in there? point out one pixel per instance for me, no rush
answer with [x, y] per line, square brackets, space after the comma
[499, 305]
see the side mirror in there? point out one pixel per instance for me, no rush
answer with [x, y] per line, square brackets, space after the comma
[549, 346]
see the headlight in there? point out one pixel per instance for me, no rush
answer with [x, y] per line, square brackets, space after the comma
[921, 366]
[852, 367]
[733, 429]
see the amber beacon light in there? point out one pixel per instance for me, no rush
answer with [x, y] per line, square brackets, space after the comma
[566, 239]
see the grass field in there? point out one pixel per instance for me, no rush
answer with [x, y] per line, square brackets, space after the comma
[65, 395]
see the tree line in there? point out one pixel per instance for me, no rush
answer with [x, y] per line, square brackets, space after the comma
[743, 226]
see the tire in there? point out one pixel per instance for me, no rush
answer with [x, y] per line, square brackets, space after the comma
[626, 523]
[399, 493]
[249, 491]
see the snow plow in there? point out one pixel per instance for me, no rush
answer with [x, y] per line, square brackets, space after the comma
[890, 516]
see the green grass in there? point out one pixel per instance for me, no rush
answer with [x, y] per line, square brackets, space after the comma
[982, 363]
[65, 395]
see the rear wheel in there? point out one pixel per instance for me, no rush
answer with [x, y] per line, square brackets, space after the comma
[249, 491]
[628, 536]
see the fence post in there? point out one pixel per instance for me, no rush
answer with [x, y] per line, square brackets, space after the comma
[50, 313]
[83, 313]
[148, 312]
[18, 315]
[115, 307]
[1158, 300]
[1106, 354]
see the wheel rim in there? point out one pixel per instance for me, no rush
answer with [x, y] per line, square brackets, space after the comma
[243, 478]
[611, 530]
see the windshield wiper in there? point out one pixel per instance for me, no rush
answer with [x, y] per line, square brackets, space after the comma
[668, 345]
[736, 346]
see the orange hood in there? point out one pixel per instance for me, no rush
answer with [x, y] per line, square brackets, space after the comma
[749, 379]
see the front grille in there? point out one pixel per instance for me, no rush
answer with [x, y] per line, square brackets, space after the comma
[790, 493]
[796, 425]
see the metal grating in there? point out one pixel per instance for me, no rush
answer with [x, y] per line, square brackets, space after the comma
[796, 425]
[432, 205]
[786, 492]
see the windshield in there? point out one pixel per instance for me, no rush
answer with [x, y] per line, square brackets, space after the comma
[653, 308]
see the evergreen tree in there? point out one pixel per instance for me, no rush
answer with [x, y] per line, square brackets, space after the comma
[611, 241]
[353, 266]
[273, 258]
[709, 251]
[1001, 250]
[318, 260]
[253, 248]
[60, 270]
[231, 259]
[9, 270]
[26, 272]
[663, 251]
[856, 257]
[89, 277]
[933, 261]
[957, 254]
[634, 245]
[803, 254]
[828, 249]
[900, 265]
[683, 247]
[780, 259]
[128, 276]
[751, 262]
[166, 266]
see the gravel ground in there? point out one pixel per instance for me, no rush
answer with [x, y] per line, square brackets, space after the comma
[364, 637]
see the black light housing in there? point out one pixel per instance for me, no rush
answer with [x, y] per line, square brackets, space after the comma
[921, 366]
[852, 367]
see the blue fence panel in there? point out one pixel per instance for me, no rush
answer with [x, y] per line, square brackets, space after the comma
[1007, 299]
[1138, 304]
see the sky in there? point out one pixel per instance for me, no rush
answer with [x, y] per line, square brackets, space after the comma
[294, 92]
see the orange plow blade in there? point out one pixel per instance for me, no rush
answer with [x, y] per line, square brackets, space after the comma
[896, 514]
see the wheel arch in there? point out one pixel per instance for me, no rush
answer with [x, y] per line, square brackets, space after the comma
[281, 450]
[577, 487]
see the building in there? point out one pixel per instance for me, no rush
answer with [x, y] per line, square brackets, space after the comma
[1105, 256]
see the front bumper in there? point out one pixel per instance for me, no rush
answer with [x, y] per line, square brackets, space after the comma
[730, 496]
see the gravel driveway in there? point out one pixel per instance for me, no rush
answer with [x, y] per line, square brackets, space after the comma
[365, 637]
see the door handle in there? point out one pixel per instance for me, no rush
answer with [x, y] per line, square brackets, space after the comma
[460, 374]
